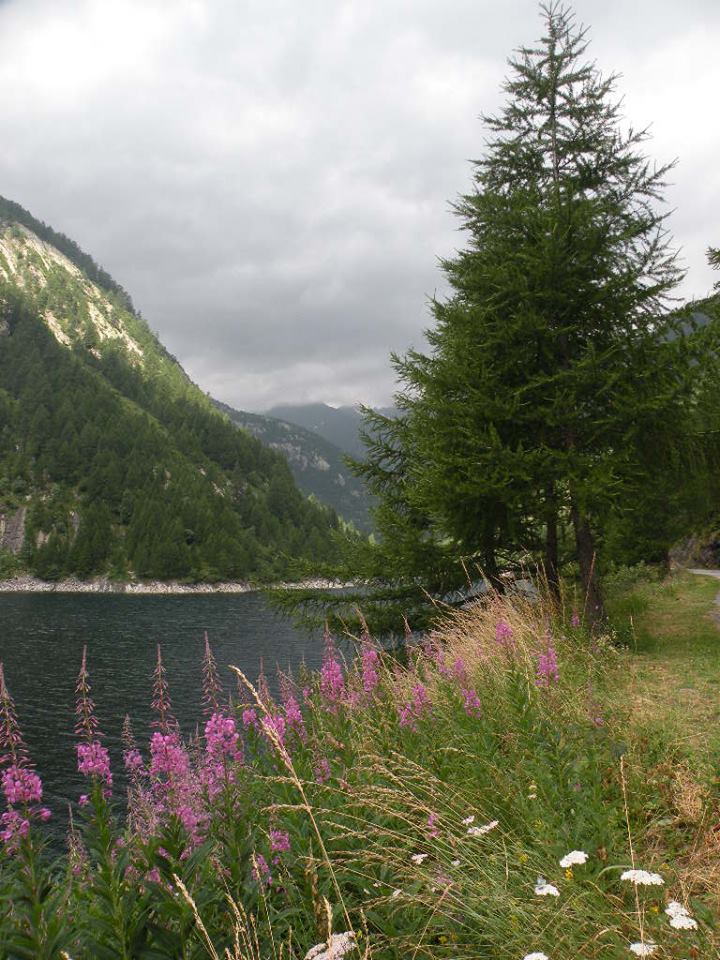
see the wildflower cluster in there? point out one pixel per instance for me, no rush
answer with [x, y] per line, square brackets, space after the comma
[441, 796]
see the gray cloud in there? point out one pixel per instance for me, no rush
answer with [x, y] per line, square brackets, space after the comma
[271, 180]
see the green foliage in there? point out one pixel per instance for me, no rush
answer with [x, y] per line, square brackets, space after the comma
[421, 799]
[12, 212]
[555, 418]
[123, 474]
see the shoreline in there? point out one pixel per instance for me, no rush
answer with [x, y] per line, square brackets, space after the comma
[29, 584]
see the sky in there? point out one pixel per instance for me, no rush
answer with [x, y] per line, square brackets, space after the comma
[271, 180]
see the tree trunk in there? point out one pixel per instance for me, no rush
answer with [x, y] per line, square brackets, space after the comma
[552, 572]
[594, 608]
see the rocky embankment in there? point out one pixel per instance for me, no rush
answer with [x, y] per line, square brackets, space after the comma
[28, 584]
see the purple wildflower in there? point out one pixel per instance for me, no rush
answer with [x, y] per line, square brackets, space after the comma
[471, 702]
[547, 667]
[370, 659]
[93, 757]
[504, 634]
[322, 771]
[261, 871]
[432, 825]
[249, 718]
[222, 748]
[279, 843]
[291, 708]
[418, 705]
[168, 757]
[575, 619]
[332, 681]
[94, 761]
[21, 786]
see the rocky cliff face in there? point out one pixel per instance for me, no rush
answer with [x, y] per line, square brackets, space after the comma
[12, 530]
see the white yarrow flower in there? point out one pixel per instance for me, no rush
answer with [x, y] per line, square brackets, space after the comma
[418, 857]
[467, 821]
[643, 878]
[680, 918]
[683, 922]
[454, 863]
[396, 893]
[337, 946]
[643, 949]
[536, 956]
[543, 889]
[573, 858]
[481, 831]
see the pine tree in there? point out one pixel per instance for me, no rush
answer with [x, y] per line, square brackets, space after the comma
[558, 383]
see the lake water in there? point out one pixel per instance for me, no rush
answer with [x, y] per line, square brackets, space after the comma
[41, 641]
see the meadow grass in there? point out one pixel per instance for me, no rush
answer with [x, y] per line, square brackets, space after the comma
[479, 797]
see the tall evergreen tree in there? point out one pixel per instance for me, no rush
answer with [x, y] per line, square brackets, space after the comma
[555, 359]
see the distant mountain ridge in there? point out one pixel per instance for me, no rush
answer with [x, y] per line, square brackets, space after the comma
[111, 459]
[340, 425]
[317, 465]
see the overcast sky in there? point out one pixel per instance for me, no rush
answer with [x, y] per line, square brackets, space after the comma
[270, 179]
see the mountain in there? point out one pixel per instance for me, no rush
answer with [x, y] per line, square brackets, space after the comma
[339, 425]
[111, 459]
[317, 465]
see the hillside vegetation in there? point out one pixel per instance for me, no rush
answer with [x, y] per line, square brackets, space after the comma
[111, 459]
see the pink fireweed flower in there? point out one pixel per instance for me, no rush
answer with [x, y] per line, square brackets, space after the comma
[133, 761]
[279, 843]
[249, 718]
[222, 749]
[165, 721]
[211, 688]
[418, 706]
[459, 670]
[322, 771]
[12, 745]
[370, 661]
[291, 708]
[168, 758]
[13, 827]
[222, 738]
[471, 703]
[503, 634]
[575, 619]
[87, 723]
[261, 871]
[94, 761]
[21, 786]
[547, 667]
[432, 825]
[332, 681]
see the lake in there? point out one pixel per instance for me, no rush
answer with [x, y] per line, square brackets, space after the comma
[41, 641]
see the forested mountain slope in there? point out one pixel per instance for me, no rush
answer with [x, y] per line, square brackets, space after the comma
[317, 465]
[111, 459]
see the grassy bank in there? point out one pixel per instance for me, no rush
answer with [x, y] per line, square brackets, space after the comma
[482, 799]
